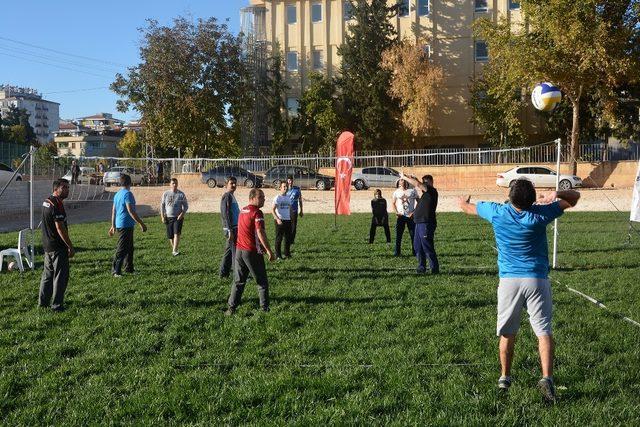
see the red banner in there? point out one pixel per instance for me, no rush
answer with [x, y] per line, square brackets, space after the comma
[344, 169]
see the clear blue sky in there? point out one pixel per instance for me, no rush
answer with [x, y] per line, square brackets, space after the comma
[105, 31]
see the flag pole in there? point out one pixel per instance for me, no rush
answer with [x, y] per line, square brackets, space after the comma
[555, 222]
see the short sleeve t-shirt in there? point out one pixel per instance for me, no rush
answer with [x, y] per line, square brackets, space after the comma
[120, 201]
[295, 195]
[52, 212]
[283, 206]
[250, 221]
[405, 200]
[521, 237]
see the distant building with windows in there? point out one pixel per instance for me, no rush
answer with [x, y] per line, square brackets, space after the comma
[43, 115]
[78, 140]
[309, 33]
[101, 122]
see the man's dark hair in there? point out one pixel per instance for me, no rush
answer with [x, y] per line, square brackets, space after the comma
[58, 183]
[522, 194]
[378, 191]
[174, 180]
[254, 193]
[290, 177]
[125, 180]
[427, 179]
[231, 178]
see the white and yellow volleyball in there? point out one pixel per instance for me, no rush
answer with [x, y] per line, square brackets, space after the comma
[545, 96]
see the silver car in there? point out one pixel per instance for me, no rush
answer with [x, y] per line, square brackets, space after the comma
[377, 176]
[112, 177]
[540, 176]
[5, 175]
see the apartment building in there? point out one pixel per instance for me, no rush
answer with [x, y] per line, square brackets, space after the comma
[309, 33]
[43, 115]
[101, 122]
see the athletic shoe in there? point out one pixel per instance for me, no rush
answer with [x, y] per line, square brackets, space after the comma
[265, 309]
[548, 390]
[59, 309]
[504, 383]
[117, 275]
[420, 271]
[230, 311]
[175, 253]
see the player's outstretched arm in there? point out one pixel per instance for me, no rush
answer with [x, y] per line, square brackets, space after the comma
[414, 181]
[466, 206]
[568, 198]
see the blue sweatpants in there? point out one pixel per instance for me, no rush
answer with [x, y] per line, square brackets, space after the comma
[425, 248]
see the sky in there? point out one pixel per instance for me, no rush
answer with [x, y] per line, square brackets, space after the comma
[70, 50]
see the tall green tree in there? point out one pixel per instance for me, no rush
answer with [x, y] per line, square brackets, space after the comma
[275, 100]
[370, 110]
[16, 127]
[584, 47]
[320, 116]
[132, 145]
[189, 87]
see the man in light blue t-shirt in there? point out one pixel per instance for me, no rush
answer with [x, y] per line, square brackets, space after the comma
[520, 229]
[295, 194]
[123, 220]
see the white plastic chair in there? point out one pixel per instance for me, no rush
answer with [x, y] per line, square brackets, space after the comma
[22, 251]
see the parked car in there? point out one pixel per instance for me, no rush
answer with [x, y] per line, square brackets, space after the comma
[217, 176]
[375, 177]
[112, 176]
[540, 176]
[303, 177]
[87, 176]
[5, 175]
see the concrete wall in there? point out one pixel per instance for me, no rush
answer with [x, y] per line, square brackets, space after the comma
[605, 174]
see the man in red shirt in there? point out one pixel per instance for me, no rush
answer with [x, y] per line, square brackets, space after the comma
[250, 245]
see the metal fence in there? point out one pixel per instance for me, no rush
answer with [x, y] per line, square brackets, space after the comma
[10, 153]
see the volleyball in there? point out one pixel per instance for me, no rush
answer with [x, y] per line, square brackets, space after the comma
[545, 96]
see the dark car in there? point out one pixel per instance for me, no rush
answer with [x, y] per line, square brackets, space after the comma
[303, 177]
[217, 176]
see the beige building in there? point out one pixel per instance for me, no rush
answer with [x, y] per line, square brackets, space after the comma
[77, 140]
[309, 33]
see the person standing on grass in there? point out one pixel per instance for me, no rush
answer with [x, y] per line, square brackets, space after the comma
[295, 194]
[75, 172]
[173, 207]
[229, 212]
[424, 217]
[380, 216]
[57, 247]
[252, 243]
[282, 215]
[123, 220]
[520, 229]
[404, 204]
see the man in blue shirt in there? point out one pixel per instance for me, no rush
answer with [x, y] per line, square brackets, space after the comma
[123, 220]
[295, 195]
[523, 264]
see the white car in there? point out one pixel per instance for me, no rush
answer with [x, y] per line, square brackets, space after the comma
[5, 175]
[540, 176]
[112, 177]
[87, 176]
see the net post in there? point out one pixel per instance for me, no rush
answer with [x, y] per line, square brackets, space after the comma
[32, 150]
[555, 222]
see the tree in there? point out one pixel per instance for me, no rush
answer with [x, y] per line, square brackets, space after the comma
[415, 81]
[319, 116]
[276, 89]
[584, 47]
[369, 109]
[132, 145]
[190, 86]
[16, 126]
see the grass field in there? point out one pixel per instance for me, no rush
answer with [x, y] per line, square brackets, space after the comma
[354, 336]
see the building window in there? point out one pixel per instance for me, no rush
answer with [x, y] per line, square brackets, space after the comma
[292, 14]
[73, 145]
[347, 10]
[292, 61]
[423, 7]
[292, 106]
[316, 12]
[514, 5]
[481, 50]
[403, 8]
[317, 60]
[481, 5]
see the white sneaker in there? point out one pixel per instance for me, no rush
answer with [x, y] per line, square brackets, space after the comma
[175, 253]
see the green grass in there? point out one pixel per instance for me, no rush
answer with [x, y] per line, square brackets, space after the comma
[354, 336]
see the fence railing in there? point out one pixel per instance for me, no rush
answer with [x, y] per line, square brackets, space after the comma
[9, 152]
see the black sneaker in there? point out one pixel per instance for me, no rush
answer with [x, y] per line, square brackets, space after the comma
[548, 390]
[421, 271]
[504, 383]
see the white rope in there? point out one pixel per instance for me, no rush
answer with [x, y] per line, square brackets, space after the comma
[333, 366]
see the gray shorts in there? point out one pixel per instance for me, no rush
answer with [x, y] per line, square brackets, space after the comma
[534, 295]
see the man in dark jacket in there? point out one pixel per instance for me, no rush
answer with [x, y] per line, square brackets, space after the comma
[380, 216]
[229, 211]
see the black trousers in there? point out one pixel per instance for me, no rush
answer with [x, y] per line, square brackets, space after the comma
[283, 230]
[55, 277]
[294, 226]
[249, 262]
[226, 265]
[123, 257]
[400, 224]
[375, 223]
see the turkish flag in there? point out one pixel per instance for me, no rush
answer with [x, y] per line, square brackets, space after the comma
[344, 169]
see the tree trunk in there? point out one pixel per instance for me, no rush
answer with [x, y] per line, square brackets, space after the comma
[575, 135]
